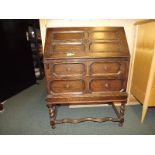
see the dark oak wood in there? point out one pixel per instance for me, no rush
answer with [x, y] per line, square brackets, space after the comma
[120, 117]
[86, 65]
[116, 110]
[78, 120]
[52, 113]
[122, 110]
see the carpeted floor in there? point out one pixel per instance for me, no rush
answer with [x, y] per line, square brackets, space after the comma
[26, 114]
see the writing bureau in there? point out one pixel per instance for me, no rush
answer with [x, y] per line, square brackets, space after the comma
[86, 65]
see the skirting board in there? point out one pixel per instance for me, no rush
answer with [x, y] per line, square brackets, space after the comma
[100, 105]
[131, 101]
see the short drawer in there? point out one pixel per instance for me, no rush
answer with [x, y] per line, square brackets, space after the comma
[67, 86]
[103, 68]
[101, 85]
[68, 69]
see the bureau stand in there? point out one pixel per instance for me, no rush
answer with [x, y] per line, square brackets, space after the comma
[119, 114]
[86, 65]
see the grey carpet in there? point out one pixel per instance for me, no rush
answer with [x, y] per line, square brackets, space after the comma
[26, 114]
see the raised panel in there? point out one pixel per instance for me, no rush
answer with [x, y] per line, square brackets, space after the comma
[68, 69]
[99, 35]
[101, 68]
[67, 35]
[65, 48]
[101, 85]
[104, 47]
[86, 40]
[67, 86]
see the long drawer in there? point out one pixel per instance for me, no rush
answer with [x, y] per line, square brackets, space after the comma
[87, 67]
[82, 86]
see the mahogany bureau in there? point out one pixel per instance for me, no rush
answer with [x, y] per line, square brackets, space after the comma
[86, 65]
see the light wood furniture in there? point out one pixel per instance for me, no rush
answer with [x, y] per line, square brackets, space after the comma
[143, 78]
[86, 65]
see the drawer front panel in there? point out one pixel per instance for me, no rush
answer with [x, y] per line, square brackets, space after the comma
[68, 69]
[67, 86]
[101, 68]
[100, 85]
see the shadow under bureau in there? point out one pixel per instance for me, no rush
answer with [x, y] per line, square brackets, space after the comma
[86, 65]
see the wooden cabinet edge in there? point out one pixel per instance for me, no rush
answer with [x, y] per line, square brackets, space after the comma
[1, 107]
[144, 21]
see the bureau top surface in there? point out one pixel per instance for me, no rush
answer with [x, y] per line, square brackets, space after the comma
[85, 42]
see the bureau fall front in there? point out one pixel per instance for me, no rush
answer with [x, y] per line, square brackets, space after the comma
[86, 65]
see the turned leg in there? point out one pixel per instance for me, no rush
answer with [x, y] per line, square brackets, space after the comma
[52, 113]
[122, 110]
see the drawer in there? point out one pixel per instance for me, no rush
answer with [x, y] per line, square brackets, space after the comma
[101, 85]
[68, 69]
[101, 68]
[67, 86]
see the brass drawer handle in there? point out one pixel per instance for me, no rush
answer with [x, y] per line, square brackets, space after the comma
[106, 85]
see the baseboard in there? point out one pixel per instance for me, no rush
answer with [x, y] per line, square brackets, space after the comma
[101, 105]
